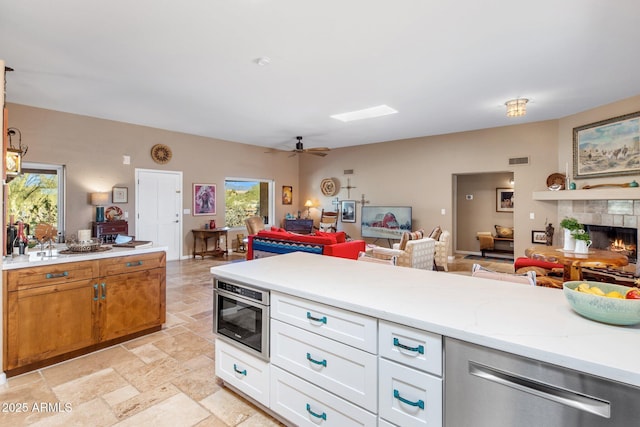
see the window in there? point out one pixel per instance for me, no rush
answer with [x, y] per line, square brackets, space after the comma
[245, 197]
[37, 196]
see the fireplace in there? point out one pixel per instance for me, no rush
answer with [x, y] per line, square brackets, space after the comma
[618, 239]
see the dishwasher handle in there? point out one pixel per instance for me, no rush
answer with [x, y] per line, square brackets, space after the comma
[547, 391]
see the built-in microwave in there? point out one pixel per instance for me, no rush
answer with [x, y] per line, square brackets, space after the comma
[241, 316]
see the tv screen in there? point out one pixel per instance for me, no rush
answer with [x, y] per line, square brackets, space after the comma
[385, 222]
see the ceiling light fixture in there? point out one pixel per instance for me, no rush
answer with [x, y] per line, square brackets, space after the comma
[264, 60]
[367, 113]
[516, 107]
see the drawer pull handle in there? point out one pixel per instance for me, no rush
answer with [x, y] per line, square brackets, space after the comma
[322, 415]
[104, 290]
[134, 264]
[57, 275]
[95, 292]
[241, 372]
[317, 362]
[418, 349]
[322, 319]
[419, 403]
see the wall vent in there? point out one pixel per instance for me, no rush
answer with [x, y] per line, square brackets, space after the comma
[348, 171]
[519, 160]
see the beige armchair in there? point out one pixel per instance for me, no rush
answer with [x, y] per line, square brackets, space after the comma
[254, 224]
[416, 254]
[486, 241]
[442, 251]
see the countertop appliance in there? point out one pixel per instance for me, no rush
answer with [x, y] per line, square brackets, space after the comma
[241, 316]
[498, 389]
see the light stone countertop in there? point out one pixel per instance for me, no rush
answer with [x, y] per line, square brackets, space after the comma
[534, 322]
[9, 263]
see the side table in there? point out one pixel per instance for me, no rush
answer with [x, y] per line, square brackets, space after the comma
[203, 235]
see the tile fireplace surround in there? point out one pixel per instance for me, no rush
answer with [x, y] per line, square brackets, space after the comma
[614, 213]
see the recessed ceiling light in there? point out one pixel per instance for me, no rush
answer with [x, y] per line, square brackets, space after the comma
[263, 60]
[367, 113]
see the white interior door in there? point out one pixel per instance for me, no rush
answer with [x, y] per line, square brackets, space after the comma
[159, 209]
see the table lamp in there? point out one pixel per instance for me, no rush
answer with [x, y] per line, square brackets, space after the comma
[99, 200]
[308, 205]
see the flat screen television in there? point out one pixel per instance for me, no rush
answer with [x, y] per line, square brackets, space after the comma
[385, 222]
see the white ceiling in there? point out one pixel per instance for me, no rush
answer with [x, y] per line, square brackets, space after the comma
[446, 66]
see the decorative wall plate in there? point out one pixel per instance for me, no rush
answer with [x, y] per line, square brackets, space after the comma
[161, 153]
[329, 186]
[556, 180]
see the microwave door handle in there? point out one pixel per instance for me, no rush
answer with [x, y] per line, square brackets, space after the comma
[546, 391]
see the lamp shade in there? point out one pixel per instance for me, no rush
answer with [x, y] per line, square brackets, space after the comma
[308, 203]
[99, 199]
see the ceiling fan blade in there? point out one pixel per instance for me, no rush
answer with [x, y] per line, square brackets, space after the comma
[316, 153]
[318, 149]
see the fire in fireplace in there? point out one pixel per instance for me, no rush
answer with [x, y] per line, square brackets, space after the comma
[617, 239]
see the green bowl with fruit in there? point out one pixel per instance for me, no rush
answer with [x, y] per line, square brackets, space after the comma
[590, 300]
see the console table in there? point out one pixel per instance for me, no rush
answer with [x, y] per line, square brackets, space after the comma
[301, 226]
[203, 235]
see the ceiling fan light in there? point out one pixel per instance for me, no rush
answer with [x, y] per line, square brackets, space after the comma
[367, 113]
[516, 107]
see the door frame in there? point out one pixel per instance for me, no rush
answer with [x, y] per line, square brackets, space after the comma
[180, 207]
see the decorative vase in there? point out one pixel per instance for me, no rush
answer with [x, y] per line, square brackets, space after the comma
[582, 246]
[569, 241]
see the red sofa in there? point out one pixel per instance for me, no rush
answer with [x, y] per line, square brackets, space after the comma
[278, 241]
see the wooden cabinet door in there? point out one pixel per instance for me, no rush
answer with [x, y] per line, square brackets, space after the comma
[131, 302]
[48, 321]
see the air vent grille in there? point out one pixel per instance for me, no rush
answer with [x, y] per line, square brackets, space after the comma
[519, 160]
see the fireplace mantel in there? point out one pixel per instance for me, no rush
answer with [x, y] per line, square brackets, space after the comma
[599, 194]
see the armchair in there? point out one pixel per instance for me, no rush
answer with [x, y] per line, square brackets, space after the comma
[442, 251]
[254, 224]
[417, 253]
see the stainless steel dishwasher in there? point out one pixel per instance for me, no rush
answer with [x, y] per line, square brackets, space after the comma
[490, 388]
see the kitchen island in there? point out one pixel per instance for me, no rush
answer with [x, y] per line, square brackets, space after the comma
[534, 322]
[60, 307]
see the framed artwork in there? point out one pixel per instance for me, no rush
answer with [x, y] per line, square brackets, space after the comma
[348, 211]
[204, 199]
[287, 195]
[120, 195]
[504, 199]
[607, 148]
[539, 236]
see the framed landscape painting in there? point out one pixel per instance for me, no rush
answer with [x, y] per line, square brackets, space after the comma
[204, 199]
[607, 148]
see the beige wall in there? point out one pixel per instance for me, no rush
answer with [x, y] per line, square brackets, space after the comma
[92, 151]
[418, 172]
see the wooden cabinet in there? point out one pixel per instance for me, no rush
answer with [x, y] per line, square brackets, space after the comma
[59, 311]
[109, 230]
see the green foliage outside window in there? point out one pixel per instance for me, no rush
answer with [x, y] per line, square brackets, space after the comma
[33, 199]
[242, 200]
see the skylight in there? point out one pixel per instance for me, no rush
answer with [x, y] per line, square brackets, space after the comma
[367, 113]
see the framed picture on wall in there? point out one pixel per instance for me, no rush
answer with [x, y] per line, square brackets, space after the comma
[119, 194]
[504, 199]
[538, 236]
[287, 195]
[348, 211]
[204, 199]
[607, 147]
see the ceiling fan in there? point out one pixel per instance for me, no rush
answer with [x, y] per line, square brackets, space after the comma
[317, 151]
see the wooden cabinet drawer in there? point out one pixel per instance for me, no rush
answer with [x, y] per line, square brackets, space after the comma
[413, 347]
[409, 397]
[25, 278]
[307, 405]
[246, 373]
[341, 369]
[132, 263]
[347, 327]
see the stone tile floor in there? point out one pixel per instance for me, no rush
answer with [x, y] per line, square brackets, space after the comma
[162, 379]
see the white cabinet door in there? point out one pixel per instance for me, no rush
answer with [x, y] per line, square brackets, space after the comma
[307, 405]
[343, 370]
[246, 373]
[351, 328]
[413, 347]
[409, 397]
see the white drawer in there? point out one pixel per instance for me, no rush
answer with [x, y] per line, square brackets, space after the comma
[409, 397]
[385, 423]
[245, 372]
[343, 370]
[304, 404]
[354, 329]
[413, 347]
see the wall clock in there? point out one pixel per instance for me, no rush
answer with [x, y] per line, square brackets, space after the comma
[329, 186]
[161, 153]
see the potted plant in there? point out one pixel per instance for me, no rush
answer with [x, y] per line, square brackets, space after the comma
[570, 225]
[582, 241]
